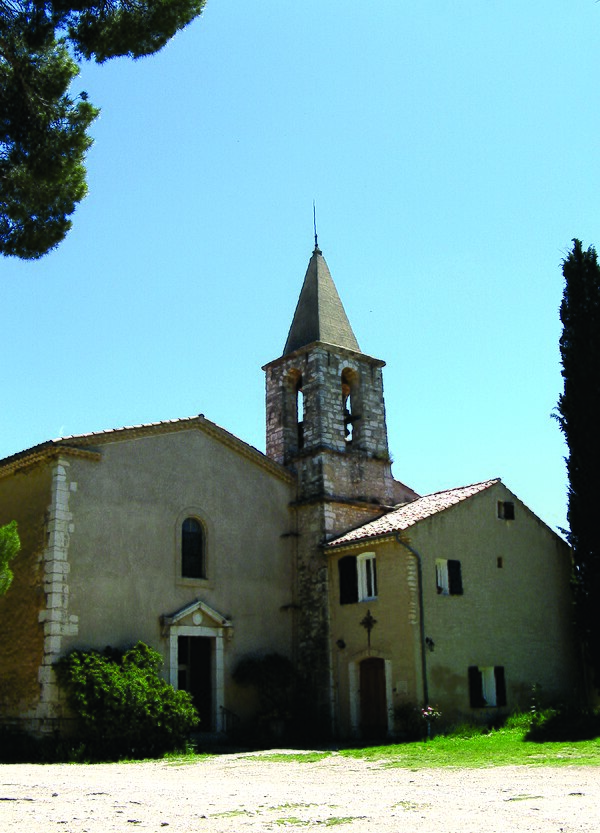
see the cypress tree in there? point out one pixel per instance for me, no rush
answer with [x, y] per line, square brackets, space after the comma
[578, 412]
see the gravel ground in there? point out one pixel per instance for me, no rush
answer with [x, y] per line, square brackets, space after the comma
[248, 793]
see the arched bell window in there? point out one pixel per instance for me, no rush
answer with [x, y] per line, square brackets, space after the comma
[349, 381]
[294, 410]
[300, 412]
[192, 549]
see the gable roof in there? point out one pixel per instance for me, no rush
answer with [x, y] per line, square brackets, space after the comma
[411, 513]
[320, 314]
[86, 445]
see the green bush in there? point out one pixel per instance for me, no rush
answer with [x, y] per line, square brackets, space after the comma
[521, 721]
[123, 706]
[408, 722]
[10, 545]
[466, 731]
[565, 724]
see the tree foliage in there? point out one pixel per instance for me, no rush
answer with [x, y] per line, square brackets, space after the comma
[577, 413]
[9, 547]
[123, 706]
[43, 128]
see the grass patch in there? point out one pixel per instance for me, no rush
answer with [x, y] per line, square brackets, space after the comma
[410, 805]
[183, 758]
[292, 821]
[501, 747]
[524, 797]
[229, 814]
[520, 742]
[287, 757]
[330, 822]
[335, 820]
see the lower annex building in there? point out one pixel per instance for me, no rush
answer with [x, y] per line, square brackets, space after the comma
[183, 536]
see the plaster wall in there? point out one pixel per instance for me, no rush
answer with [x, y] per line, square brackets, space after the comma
[517, 615]
[394, 636]
[125, 545]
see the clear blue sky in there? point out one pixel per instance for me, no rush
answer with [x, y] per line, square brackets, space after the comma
[453, 150]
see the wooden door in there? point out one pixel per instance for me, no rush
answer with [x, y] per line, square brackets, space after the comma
[195, 666]
[373, 703]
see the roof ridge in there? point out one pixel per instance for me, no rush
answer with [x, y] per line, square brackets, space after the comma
[489, 481]
[408, 514]
[120, 428]
[87, 441]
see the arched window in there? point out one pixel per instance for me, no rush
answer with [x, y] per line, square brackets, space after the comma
[294, 411]
[349, 390]
[192, 549]
[300, 412]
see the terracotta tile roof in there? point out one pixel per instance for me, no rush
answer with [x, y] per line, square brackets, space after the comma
[411, 513]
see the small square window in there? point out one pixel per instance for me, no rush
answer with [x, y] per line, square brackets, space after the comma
[506, 510]
[448, 577]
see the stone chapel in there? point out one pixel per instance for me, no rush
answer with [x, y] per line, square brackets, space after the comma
[182, 535]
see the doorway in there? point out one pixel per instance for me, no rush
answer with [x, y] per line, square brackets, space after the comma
[194, 674]
[373, 701]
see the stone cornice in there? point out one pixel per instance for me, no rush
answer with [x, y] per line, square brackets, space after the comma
[331, 348]
[356, 502]
[26, 460]
[87, 445]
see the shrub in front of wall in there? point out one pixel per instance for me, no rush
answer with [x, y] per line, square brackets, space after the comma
[273, 678]
[122, 705]
[564, 724]
[409, 724]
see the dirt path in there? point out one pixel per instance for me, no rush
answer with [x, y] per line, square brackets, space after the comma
[237, 793]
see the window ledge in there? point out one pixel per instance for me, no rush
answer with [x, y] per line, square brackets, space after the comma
[195, 582]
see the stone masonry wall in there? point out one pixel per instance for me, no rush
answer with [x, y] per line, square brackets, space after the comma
[56, 619]
[340, 483]
[320, 369]
[24, 497]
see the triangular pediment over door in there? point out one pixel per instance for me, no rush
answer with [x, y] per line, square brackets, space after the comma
[199, 620]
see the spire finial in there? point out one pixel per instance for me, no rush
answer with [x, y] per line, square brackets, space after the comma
[315, 228]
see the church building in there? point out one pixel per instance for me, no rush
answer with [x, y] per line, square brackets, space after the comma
[183, 536]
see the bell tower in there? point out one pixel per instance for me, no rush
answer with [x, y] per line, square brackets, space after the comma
[325, 405]
[326, 423]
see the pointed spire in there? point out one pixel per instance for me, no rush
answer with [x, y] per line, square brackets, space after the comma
[320, 315]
